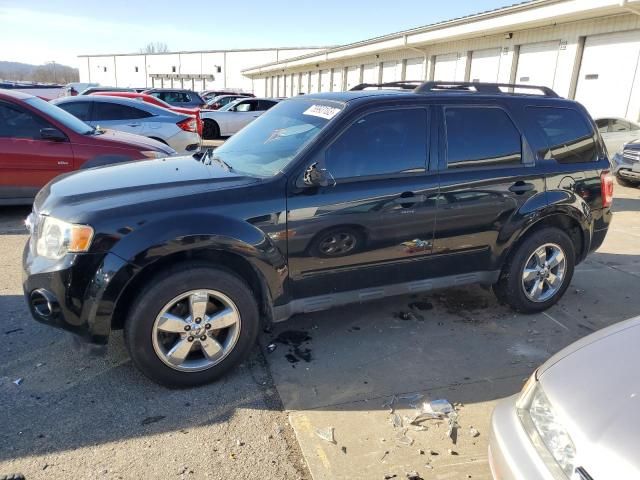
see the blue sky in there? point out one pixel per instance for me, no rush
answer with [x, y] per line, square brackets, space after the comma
[37, 31]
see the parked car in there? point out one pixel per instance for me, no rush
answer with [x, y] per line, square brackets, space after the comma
[626, 165]
[209, 94]
[480, 186]
[179, 131]
[39, 141]
[233, 116]
[577, 416]
[194, 112]
[219, 101]
[177, 98]
[90, 90]
[74, 88]
[616, 132]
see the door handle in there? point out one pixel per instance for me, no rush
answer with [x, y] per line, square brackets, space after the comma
[410, 199]
[521, 187]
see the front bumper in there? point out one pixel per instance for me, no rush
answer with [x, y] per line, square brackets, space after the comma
[623, 168]
[81, 291]
[512, 456]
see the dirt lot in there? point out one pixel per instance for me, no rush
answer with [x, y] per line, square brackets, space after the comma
[96, 417]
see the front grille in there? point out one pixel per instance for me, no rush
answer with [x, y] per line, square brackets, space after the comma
[582, 474]
[631, 155]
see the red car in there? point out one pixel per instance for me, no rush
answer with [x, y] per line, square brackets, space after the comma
[194, 112]
[39, 141]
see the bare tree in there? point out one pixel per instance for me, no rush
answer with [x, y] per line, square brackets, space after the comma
[155, 47]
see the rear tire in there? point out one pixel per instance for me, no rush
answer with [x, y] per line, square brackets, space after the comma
[526, 284]
[151, 346]
[210, 130]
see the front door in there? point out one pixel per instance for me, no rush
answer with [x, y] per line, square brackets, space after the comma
[374, 226]
[486, 175]
[243, 114]
[27, 161]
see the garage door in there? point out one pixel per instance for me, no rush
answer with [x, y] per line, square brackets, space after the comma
[282, 89]
[607, 73]
[446, 68]
[304, 83]
[325, 78]
[414, 69]
[537, 63]
[336, 83]
[485, 65]
[295, 84]
[353, 76]
[390, 71]
[370, 73]
[314, 82]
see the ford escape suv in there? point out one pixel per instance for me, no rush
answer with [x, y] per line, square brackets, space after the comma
[325, 200]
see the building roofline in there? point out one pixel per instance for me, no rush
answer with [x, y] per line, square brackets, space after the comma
[205, 51]
[404, 34]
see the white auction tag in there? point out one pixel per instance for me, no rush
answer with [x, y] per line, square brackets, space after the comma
[322, 111]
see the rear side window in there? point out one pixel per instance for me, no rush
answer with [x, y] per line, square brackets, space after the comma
[77, 109]
[569, 137]
[103, 111]
[481, 137]
[390, 142]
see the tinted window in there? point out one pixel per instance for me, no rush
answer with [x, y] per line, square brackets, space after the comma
[173, 97]
[381, 143]
[265, 104]
[16, 122]
[103, 111]
[77, 109]
[481, 136]
[619, 126]
[246, 106]
[569, 136]
[603, 125]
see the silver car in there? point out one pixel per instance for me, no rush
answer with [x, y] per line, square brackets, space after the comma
[179, 131]
[233, 116]
[616, 132]
[578, 416]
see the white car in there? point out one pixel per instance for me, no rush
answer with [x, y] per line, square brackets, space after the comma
[616, 132]
[233, 116]
[179, 131]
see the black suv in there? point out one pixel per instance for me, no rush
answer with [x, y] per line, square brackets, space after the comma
[325, 200]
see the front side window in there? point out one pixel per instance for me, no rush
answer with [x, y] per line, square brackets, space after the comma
[16, 122]
[569, 137]
[388, 142]
[481, 137]
[103, 111]
[246, 106]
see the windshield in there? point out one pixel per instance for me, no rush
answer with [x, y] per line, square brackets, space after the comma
[264, 147]
[60, 116]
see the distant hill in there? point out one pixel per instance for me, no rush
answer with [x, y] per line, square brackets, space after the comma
[38, 73]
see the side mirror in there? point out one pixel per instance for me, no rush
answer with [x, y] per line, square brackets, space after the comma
[52, 134]
[318, 177]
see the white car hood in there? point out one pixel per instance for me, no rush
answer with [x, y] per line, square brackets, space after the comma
[594, 388]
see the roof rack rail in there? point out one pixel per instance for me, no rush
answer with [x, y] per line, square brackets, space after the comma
[481, 87]
[404, 84]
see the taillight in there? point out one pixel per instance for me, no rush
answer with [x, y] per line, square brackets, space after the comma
[189, 125]
[606, 185]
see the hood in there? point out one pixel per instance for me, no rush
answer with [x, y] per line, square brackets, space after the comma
[75, 195]
[594, 387]
[632, 145]
[131, 139]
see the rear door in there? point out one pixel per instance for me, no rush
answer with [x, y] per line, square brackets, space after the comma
[27, 161]
[119, 117]
[486, 175]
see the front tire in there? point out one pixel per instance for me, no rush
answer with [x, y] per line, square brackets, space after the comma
[539, 271]
[190, 325]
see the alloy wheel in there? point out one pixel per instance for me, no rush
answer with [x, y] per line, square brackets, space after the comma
[544, 273]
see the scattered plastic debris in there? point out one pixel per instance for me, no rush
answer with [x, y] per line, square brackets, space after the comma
[271, 347]
[474, 432]
[452, 431]
[403, 439]
[396, 421]
[411, 397]
[326, 434]
[18, 381]
[389, 404]
[41, 364]
[409, 316]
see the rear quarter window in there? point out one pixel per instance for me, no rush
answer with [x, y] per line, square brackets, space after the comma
[570, 138]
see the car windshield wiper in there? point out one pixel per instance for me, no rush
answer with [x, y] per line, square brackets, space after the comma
[211, 157]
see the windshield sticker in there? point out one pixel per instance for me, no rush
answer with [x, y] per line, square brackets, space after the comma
[322, 111]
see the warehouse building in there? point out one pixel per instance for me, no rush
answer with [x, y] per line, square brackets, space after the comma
[199, 70]
[588, 50]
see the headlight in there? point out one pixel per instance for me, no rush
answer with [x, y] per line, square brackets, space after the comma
[153, 154]
[548, 435]
[57, 238]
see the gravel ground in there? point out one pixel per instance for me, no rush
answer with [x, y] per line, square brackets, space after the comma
[77, 415]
